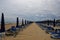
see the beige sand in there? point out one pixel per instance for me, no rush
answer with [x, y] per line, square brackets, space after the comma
[32, 32]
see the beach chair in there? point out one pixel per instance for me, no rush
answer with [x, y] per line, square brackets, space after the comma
[19, 28]
[12, 31]
[55, 36]
[56, 31]
[49, 29]
[43, 27]
[58, 24]
[2, 35]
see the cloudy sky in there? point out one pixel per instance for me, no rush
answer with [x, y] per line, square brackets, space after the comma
[30, 9]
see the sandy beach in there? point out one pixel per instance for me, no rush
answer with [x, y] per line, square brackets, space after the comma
[32, 32]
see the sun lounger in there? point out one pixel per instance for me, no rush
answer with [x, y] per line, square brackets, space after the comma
[43, 27]
[57, 31]
[56, 36]
[12, 31]
[49, 29]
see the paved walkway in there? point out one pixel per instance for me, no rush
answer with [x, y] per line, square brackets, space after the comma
[32, 32]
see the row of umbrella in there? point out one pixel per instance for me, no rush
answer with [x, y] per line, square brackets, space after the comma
[55, 33]
[14, 29]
